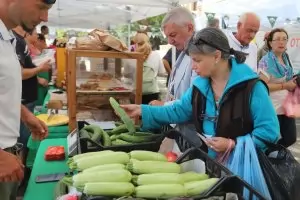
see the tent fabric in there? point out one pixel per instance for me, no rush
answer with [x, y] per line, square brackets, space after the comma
[287, 9]
[89, 14]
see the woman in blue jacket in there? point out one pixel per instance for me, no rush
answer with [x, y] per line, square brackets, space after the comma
[222, 81]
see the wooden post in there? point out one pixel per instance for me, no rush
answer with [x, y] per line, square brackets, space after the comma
[105, 64]
[60, 65]
[138, 83]
[139, 80]
[118, 67]
[71, 90]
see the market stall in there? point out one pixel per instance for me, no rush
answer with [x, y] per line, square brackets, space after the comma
[154, 177]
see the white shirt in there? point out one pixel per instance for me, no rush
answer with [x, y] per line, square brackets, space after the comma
[279, 96]
[10, 89]
[251, 50]
[154, 60]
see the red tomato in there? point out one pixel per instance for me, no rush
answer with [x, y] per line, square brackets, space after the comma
[72, 197]
[171, 156]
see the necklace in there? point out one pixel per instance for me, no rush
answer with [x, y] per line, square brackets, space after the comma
[217, 89]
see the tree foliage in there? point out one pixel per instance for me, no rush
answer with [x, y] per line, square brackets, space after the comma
[151, 25]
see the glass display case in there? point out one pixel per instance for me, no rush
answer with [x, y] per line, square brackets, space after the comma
[93, 77]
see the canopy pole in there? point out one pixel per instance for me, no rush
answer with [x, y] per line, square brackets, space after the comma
[129, 33]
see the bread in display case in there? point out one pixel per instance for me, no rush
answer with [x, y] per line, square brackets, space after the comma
[93, 77]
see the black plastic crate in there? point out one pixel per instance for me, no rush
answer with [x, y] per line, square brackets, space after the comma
[83, 144]
[228, 183]
[191, 146]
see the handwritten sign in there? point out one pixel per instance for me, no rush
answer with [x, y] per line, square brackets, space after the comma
[293, 48]
[295, 42]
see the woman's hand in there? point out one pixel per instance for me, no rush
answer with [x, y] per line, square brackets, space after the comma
[132, 110]
[45, 66]
[290, 85]
[156, 103]
[219, 144]
[43, 82]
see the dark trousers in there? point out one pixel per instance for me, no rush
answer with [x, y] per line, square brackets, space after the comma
[287, 130]
[23, 139]
[25, 133]
[147, 98]
[8, 191]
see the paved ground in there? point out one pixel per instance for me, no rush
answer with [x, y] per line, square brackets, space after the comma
[296, 147]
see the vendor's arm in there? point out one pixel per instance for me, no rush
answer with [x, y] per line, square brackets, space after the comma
[178, 112]
[31, 72]
[161, 68]
[167, 66]
[167, 61]
[266, 125]
[28, 73]
[37, 128]
[43, 82]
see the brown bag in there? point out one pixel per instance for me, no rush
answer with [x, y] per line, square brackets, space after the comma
[90, 43]
[109, 40]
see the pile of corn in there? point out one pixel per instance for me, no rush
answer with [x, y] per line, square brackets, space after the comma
[141, 174]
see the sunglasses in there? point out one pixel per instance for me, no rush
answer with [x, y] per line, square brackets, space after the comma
[198, 41]
[50, 1]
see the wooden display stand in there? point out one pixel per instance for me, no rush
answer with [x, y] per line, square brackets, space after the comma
[61, 65]
[72, 54]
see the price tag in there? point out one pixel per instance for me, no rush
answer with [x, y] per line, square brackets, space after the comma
[72, 141]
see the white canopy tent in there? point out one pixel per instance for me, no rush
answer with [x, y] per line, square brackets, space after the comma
[89, 14]
[286, 11]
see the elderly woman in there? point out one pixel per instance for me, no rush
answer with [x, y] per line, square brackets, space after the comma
[217, 102]
[276, 70]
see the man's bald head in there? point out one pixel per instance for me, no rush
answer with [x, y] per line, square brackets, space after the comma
[247, 27]
[249, 16]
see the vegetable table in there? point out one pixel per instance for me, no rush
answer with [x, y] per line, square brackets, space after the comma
[45, 191]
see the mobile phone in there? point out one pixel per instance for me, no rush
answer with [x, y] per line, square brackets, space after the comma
[46, 178]
[58, 92]
[203, 138]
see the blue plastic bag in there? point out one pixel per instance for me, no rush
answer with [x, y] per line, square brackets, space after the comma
[244, 163]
